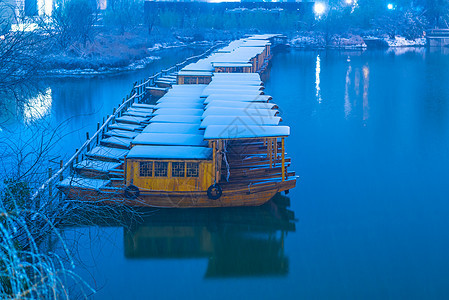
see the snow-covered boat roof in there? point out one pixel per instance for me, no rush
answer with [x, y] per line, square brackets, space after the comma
[263, 36]
[186, 88]
[241, 54]
[236, 76]
[180, 104]
[240, 120]
[170, 152]
[172, 128]
[237, 54]
[255, 43]
[225, 86]
[167, 139]
[195, 73]
[231, 64]
[241, 104]
[245, 98]
[244, 131]
[239, 111]
[186, 99]
[233, 92]
[231, 47]
[84, 183]
[176, 119]
[179, 111]
[241, 81]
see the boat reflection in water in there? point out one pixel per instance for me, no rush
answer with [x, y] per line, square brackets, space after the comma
[238, 242]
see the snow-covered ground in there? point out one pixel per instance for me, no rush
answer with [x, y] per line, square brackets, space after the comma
[400, 41]
[140, 64]
[314, 40]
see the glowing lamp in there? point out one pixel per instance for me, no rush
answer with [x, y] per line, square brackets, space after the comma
[319, 8]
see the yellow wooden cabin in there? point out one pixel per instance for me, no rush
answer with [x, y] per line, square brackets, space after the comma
[169, 168]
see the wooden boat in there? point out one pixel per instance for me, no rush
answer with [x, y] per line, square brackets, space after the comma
[200, 145]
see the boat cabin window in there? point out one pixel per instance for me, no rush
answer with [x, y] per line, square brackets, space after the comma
[192, 169]
[178, 169]
[160, 169]
[189, 80]
[203, 80]
[146, 169]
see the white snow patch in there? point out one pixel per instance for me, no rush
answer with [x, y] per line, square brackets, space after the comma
[400, 41]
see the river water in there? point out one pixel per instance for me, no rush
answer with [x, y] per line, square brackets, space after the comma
[367, 220]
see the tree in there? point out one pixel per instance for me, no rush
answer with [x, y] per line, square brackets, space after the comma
[437, 12]
[74, 21]
[124, 14]
[20, 51]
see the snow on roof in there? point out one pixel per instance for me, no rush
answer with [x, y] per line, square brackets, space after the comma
[240, 120]
[255, 43]
[241, 104]
[188, 86]
[180, 99]
[263, 36]
[241, 54]
[170, 152]
[179, 111]
[240, 81]
[85, 183]
[237, 54]
[195, 73]
[176, 119]
[107, 152]
[234, 86]
[236, 76]
[118, 141]
[123, 126]
[142, 106]
[231, 47]
[245, 98]
[254, 91]
[180, 104]
[244, 131]
[231, 64]
[172, 128]
[121, 133]
[98, 165]
[239, 111]
[167, 139]
[203, 64]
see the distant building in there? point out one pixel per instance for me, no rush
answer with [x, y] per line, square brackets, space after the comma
[33, 8]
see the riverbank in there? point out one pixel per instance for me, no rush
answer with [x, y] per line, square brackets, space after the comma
[319, 40]
[112, 53]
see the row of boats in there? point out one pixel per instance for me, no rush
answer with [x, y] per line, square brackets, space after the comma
[210, 137]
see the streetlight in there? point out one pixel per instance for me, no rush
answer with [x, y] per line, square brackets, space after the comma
[390, 6]
[348, 2]
[319, 8]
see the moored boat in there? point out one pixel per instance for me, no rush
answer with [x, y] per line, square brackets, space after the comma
[209, 141]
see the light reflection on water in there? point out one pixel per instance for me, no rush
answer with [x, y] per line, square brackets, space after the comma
[38, 107]
[347, 86]
[365, 92]
[317, 78]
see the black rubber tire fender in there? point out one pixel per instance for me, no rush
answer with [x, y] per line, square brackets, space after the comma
[132, 191]
[214, 192]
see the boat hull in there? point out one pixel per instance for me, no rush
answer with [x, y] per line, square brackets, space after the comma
[231, 197]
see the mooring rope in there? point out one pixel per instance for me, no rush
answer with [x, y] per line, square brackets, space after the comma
[226, 161]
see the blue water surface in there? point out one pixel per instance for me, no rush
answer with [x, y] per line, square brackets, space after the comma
[369, 140]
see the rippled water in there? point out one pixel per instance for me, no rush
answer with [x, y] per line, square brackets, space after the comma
[368, 218]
